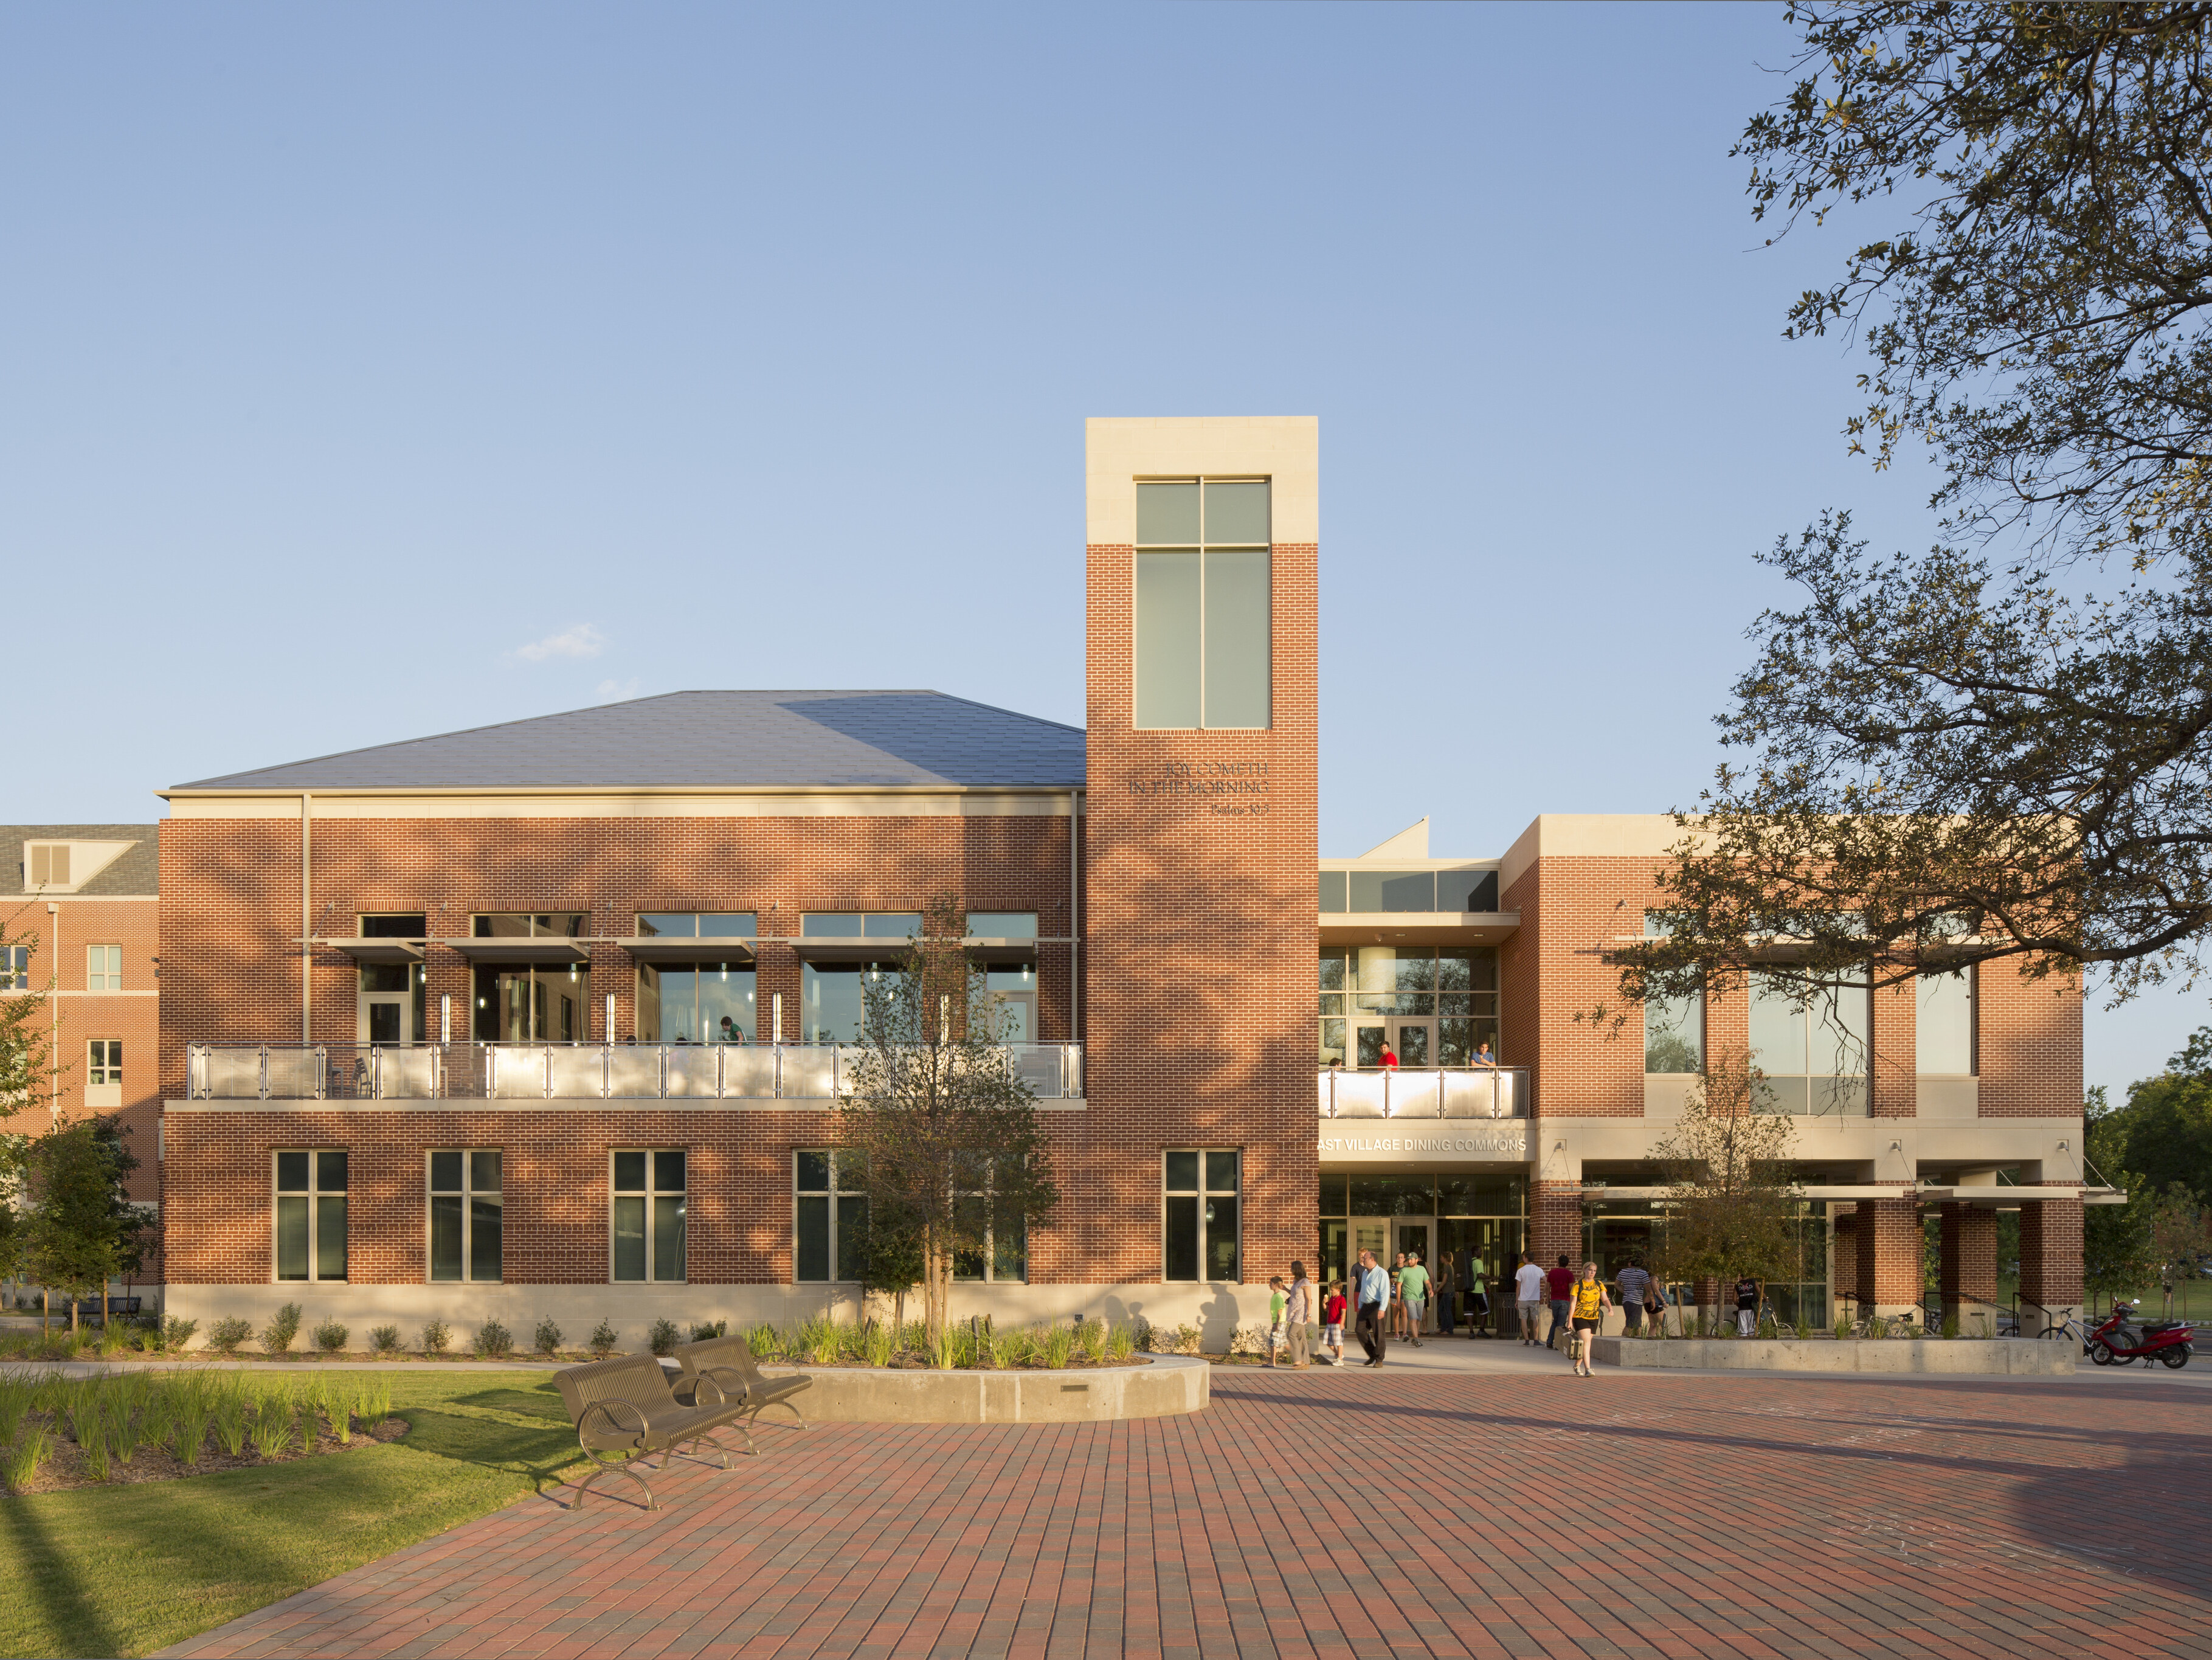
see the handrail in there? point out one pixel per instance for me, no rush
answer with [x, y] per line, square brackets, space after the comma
[563, 1072]
[1433, 1092]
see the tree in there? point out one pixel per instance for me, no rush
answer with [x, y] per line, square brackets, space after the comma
[947, 1129]
[892, 1262]
[1948, 760]
[1732, 1208]
[79, 1231]
[25, 1077]
[2179, 1244]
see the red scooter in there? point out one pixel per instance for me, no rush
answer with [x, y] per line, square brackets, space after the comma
[2120, 1340]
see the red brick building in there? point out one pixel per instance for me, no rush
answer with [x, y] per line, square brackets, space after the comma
[541, 1019]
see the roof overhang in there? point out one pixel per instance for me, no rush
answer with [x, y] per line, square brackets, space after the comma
[1418, 928]
[661, 948]
[379, 951]
[499, 949]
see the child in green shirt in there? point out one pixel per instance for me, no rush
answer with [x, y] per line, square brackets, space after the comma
[1278, 1300]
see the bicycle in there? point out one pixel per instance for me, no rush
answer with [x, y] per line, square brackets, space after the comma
[2069, 1327]
[1872, 1325]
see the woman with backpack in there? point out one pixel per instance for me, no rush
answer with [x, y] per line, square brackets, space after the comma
[1588, 1302]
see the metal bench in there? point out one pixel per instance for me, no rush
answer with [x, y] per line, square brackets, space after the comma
[624, 1411]
[727, 1364]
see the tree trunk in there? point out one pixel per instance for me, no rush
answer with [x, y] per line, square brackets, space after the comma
[45, 1310]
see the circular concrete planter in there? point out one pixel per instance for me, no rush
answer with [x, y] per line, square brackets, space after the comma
[1168, 1385]
[1998, 1356]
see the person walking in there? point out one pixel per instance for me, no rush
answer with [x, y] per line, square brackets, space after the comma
[1414, 1287]
[1278, 1299]
[1478, 1298]
[1634, 1285]
[1398, 1295]
[1300, 1316]
[1591, 1302]
[1332, 1322]
[1447, 1294]
[1374, 1293]
[1528, 1291]
[1749, 1293]
[1560, 1282]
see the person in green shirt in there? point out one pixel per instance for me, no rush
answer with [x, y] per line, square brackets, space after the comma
[1277, 1300]
[1413, 1288]
[1479, 1298]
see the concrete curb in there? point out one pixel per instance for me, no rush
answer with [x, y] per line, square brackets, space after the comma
[1169, 1385]
[1999, 1356]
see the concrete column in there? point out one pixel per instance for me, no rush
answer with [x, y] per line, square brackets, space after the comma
[1968, 1272]
[1889, 1262]
[2050, 1263]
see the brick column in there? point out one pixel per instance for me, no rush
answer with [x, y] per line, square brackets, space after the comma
[1555, 1222]
[2050, 1263]
[1889, 1265]
[1844, 1263]
[1968, 1271]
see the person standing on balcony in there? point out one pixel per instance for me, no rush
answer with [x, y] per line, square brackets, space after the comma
[1374, 1301]
[732, 1032]
[1389, 1061]
[1483, 1055]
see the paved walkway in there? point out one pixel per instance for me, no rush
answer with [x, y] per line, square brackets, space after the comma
[1503, 1509]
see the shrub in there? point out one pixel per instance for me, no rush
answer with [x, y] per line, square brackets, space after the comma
[384, 1339]
[603, 1338]
[330, 1337]
[176, 1333]
[701, 1332]
[225, 1336]
[663, 1337]
[1185, 1340]
[547, 1338]
[437, 1337]
[494, 1341]
[276, 1336]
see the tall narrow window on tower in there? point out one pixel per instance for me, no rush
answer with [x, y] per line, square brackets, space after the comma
[1202, 656]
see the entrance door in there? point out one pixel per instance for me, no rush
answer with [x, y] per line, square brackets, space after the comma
[1368, 1233]
[1414, 1234]
[387, 1004]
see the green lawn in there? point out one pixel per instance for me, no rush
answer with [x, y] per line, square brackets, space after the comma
[127, 1570]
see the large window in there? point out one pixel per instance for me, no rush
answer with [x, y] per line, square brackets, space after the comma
[1673, 1027]
[15, 968]
[467, 1212]
[103, 968]
[1200, 1190]
[1466, 890]
[1005, 1253]
[696, 1003]
[1202, 656]
[311, 1214]
[648, 1215]
[1434, 1008]
[829, 1216]
[1814, 1055]
[534, 1003]
[1944, 1032]
[832, 999]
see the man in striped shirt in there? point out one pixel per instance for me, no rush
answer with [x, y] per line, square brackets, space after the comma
[1633, 1283]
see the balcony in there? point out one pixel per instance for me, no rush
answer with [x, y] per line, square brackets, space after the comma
[563, 1072]
[1443, 1092]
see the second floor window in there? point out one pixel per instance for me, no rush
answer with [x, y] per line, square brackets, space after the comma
[103, 1061]
[1815, 1054]
[103, 968]
[15, 968]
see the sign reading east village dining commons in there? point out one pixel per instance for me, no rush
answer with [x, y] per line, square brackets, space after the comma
[1507, 1142]
[1230, 787]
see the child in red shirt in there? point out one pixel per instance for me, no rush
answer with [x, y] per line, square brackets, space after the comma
[1332, 1319]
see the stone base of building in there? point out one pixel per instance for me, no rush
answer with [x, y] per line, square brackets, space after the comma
[1163, 1387]
[2003, 1356]
[1215, 1311]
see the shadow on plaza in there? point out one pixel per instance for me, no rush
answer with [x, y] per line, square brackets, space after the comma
[2132, 1504]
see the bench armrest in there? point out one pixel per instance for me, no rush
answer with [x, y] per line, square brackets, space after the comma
[611, 1411]
[730, 1384]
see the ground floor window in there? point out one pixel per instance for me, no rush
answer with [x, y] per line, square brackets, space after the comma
[1200, 1193]
[1004, 1231]
[648, 1215]
[1615, 1230]
[311, 1214]
[1477, 1221]
[466, 1213]
[829, 1216]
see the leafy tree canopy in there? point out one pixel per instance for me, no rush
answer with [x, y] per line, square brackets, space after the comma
[1960, 757]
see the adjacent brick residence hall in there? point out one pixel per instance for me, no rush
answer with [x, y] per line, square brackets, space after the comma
[543, 1019]
[81, 933]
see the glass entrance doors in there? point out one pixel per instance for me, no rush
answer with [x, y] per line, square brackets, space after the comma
[390, 1007]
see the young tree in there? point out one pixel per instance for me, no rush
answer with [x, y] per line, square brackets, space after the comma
[25, 1078]
[2179, 1244]
[1948, 761]
[946, 1127]
[79, 1231]
[1732, 1206]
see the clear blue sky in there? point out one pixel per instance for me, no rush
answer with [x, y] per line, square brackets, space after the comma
[375, 372]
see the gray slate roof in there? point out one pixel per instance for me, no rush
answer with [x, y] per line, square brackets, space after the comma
[136, 872]
[714, 738]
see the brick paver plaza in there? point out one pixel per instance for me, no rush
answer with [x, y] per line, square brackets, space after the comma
[1515, 1512]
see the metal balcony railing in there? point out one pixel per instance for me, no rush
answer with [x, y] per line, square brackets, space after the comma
[1441, 1092]
[562, 1071]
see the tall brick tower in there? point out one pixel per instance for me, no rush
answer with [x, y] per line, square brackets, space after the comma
[1200, 838]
